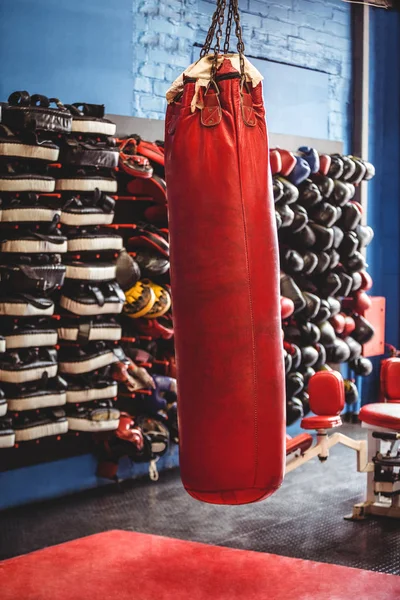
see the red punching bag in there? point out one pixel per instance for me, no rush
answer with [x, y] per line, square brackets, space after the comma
[225, 278]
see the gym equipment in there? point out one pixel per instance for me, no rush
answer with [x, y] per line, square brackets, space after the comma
[217, 105]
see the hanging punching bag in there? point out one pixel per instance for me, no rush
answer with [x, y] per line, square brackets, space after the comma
[225, 278]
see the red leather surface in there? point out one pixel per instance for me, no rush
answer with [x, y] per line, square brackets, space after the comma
[107, 566]
[288, 161]
[390, 378]
[302, 442]
[225, 289]
[275, 161]
[386, 415]
[321, 422]
[324, 163]
[326, 391]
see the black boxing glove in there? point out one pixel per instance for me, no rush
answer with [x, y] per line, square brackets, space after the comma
[294, 384]
[324, 214]
[309, 356]
[364, 332]
[328, 335]
[350, 391]
[290, 290]
[309, 194]
[294, 411]
[310, 262]
[338, 352]
[291, 261]
[323, 314]
[361, 366]
[351, 216]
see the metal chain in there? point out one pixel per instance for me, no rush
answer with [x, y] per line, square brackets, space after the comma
[228, 28]
[238, 31]
[219, 34]
[211, 32]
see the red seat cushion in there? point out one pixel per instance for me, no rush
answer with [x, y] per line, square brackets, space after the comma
[302, 442]
[321, 422]
[326, 391]
[385, 415]
[390, 378]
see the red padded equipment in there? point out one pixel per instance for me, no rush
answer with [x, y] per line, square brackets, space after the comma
[321, 422]
[302, 442]
[275, 161]
[106, 566]
[338, 322]
[324, 163]
[287, 307]
[288, 160]
[383, 415]
[349, 326]
[225, 281]
[390, 379]
[326, 397]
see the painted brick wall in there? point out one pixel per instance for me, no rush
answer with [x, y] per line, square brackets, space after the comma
[305, 33]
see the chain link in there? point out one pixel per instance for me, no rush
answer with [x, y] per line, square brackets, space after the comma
[228, 28]
[238, 32]
[216, 30]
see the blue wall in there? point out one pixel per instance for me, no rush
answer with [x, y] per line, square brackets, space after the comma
[73, 49]
[384, 190]
[126, 53]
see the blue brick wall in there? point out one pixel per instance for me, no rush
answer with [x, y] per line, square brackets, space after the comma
[307, 33]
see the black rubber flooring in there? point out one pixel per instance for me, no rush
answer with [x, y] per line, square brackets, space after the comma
[303, 519]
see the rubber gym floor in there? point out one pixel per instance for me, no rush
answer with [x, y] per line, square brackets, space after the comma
[304, 519]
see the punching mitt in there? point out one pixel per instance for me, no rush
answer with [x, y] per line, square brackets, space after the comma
[217, 163]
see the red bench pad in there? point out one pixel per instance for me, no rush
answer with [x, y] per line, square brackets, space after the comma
[321, 422]
[302, 442]
[385, 415]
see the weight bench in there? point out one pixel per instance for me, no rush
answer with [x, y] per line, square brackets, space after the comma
[379, 456]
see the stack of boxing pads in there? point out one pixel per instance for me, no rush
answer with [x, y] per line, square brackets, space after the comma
[32, 248]
[323, 269]
[148, 403]
[91, 299]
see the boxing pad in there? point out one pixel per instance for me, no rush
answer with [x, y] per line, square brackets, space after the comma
[311, 156]
[217, 163]
[287, 307]
[361, 366]
[275, 161]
